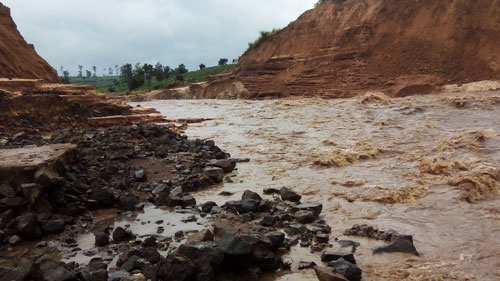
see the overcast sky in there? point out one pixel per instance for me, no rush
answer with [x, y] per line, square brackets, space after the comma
[114, 32]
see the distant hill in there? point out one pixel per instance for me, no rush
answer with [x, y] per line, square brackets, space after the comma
[19, 59]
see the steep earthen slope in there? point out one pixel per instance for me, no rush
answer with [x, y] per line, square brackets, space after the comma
[19, 59]
[343, 48]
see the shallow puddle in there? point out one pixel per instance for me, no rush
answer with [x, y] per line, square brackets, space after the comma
[389, 189]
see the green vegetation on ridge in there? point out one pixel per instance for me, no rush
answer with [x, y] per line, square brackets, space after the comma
[264, 35]
[147, 77]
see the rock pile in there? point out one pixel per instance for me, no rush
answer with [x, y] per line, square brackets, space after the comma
[101, 176]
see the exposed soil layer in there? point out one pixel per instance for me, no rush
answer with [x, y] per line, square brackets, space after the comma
[18, 59]
[343, 48]
[29, 106]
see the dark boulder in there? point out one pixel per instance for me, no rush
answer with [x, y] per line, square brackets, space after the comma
[128, 201]
[48, 269]
[270, 190]
[328, 274]
[399, 244]
[277, 238]
[151, 254]
[6, 190]
[53, 226]
[233, 245]
[206, 257]
[347, 269]
[304, 217]
[328, 256]
[48, 178]
[289, 195]
[31, 192]
[140, 175]
[207, 206]
[122, 235]
[214, 173]
[28, 227]
[101, 239]
[248, 194]
[227, 165]
[316, 208]
[96, 270]
[176, 268]
[103, 196]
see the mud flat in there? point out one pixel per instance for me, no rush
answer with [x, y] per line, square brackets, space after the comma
[426, 166]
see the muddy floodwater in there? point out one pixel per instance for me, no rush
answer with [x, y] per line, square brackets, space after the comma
[424, 166]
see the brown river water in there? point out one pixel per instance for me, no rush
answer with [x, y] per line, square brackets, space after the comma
[397, 164]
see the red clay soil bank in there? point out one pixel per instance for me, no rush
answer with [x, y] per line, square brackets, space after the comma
[344, 48]
[19, 59]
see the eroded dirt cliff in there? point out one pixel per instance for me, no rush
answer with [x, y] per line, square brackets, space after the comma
[18, 59]
[343, 48]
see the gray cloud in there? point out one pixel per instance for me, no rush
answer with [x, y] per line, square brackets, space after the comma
[106, 33]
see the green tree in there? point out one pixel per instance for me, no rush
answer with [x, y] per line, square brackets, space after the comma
[126, 73]
[181, 69]
[179, 77]
[148, 70]
[80, 71]
[89, 74]
[202, 66]
[167, 71]
[65, 78]
[223, 61]
[158, 72]
[94, 68]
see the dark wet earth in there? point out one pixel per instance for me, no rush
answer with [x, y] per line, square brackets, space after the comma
[425, 166]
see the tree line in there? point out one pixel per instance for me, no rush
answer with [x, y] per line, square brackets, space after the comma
[135, 76]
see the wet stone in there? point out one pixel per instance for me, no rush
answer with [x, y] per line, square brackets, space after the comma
[399, 244]
[140, 175]
[328, 256]
[306, 265]
[6, 190]
[315, 227]
[50, 269]
[177, 268]
[28, 227]
[207, 206]
[227, 165]
[298, 228]
[316, 208]
[289, 195]
[101, 239]
[121, 235]
[235, 246]
[53, 226]
[322, 237]
[347, 269]
[270, 190]
[248, 194]
[200, 236]
[328, 274]
[304, 217]
[268, 221]
[276, 237]
[151, 254]
[15, 240]
[214, 173]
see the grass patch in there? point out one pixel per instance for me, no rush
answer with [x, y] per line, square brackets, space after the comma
[264, 35]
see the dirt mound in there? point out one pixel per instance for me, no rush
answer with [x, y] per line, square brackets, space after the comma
[18, 59]
[345, 48]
